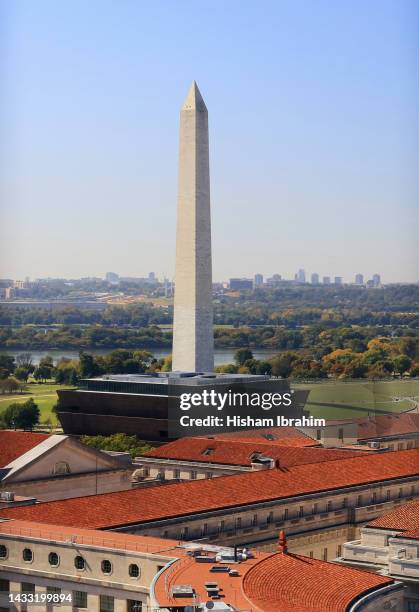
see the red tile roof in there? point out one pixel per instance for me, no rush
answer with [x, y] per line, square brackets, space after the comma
[181, 499]
[404, 518]
[91, 537]
[285, 436]
[188, 571]
[237, 452]
[293, 583]
[13, 444]
[387, 425]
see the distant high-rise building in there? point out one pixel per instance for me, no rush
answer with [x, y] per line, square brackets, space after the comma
[151, 276]
[301, 276]
[338, 280]
[326, 280]
[19, 284]
[359, 279]
[238, 284]
[376, 279]
[274, 280]
[112, 278]
[168, 288]
[258, 280]
[314, 279]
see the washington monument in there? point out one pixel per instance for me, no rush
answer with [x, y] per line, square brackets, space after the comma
[193, 340]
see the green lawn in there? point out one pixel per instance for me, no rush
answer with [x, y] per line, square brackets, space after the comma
[44, 395]
[338, 399]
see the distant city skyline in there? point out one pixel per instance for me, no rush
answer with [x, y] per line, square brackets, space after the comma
[314, 136]
[257, 279]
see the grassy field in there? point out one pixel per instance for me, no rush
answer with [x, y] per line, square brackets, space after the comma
[44, 395]
[359, 398]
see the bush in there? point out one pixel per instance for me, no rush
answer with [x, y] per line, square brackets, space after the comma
[119, 442]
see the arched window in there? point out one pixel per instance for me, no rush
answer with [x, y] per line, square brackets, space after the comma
[27, 555]
[134, 570]
[106, 566]
[3, 552]
[53, 559]
[60, 468]
[79, 563]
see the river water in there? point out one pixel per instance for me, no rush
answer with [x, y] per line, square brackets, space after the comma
[221, 356]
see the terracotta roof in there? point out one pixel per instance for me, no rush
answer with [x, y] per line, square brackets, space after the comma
[190, 572]
[271, 583]
[180, 499]
[91, 537]
[293, 583]
[13, 444]
[237, 452]
[387, 425]
[285, 436]
[404, 518]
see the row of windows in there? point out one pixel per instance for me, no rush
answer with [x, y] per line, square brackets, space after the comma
[161, 473]
[325, 553]
[115, 386]
[79, 561]
[401, 446]
[79, 598]
[361, 500]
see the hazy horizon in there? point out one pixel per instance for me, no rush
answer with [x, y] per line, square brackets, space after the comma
[313, 136]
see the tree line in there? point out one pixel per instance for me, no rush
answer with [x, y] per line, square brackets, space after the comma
[343, 353]
[288, 305]
[318, 336]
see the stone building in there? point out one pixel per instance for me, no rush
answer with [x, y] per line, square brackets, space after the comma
[194, 458]
[320, 505]
[113, 572]
[389, 546]
[56, 467]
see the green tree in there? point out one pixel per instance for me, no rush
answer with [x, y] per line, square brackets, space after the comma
[263, 367]
[42, 372]
[22, 373]
[282, 364]
[242, 355]
[22, 416]
[88, 366]
[401, 364]
[410, 347]
[7, 365]
[73, 378]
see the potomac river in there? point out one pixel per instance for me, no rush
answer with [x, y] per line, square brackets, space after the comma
[221, 356]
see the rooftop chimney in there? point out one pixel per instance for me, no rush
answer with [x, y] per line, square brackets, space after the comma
[282, 542]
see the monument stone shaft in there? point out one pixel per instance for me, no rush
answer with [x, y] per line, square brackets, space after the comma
[193, 340]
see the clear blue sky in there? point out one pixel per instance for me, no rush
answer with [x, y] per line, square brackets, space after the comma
[313, 129]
